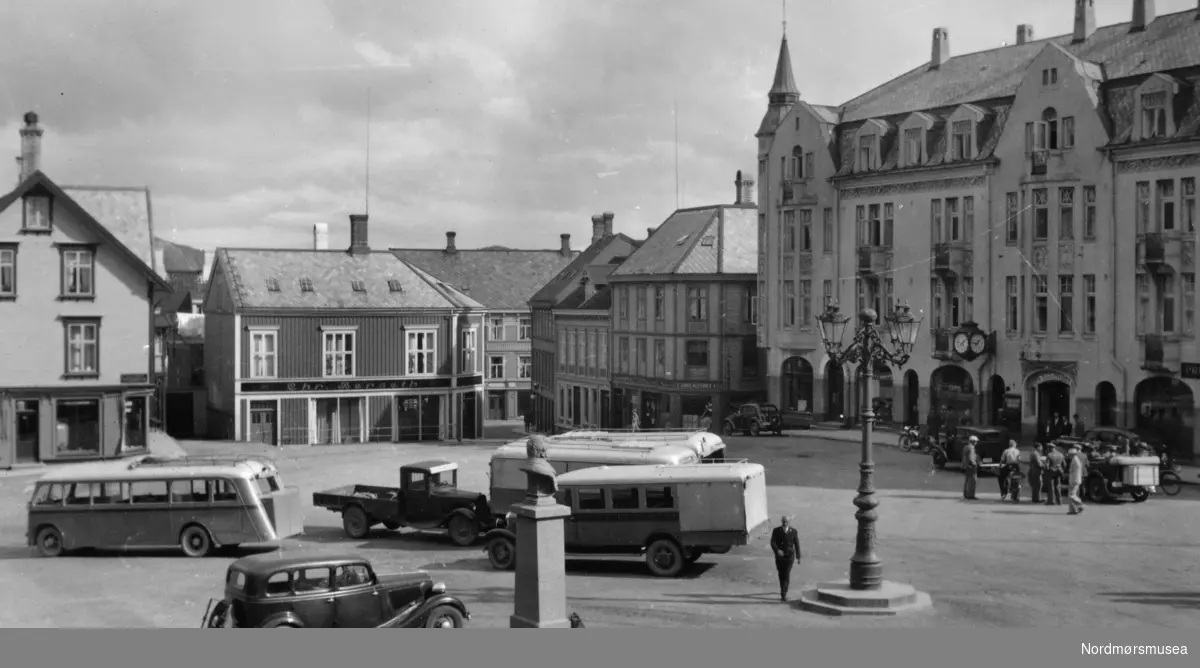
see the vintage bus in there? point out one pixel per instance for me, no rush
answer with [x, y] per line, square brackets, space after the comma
[196, 503]
[709, 446]
[508, 481]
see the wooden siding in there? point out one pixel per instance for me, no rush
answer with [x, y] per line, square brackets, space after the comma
[293, 421]
[379, 419]
[218, 362]
[379, 343]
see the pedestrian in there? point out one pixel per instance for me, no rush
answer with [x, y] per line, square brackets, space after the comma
[1064, 426]
[970, 465]
[785, 543]
[1037, 464]
[1010, 463]
[952, 419]
[634, 422]
[1075, 468]
[935, 426]
[1052, 475]
[1080, 428]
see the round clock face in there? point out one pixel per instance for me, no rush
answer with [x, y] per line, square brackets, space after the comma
[960, 343]
[978, 343]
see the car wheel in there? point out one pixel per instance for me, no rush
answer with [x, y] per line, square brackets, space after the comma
[50, 542]
[755, 430]
[939, 460]
[727, 429]
[502, 553]
[444, 617]
[665, 558]
[1097, 489]
[1170, 484]
[1139, 494]
[195, 541]
[354, 523]
[463, 531]
[391, 526]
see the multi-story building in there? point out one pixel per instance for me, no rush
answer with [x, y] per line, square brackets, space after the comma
[339, 346]
[582, 378]
[683, 313]
[1032, 201]
[503, 280]
[78, 290]
[605, 248]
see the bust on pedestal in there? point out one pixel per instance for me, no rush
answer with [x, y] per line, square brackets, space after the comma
[540, 587]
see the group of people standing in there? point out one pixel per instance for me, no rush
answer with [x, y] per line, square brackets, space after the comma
[1047, 468]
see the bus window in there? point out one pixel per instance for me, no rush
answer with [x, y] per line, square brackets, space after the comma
[189, 491]
[224, 490]
[81, 494]
[111, 492]
[148, 491]
[590, 499]
[624, 498]
[310, 580]
[659, 497]
[279, 584]
[48, 495]
[267, 486]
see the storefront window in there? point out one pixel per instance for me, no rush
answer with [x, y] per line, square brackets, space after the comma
[697, 411]
[135, 422]
[78, 427]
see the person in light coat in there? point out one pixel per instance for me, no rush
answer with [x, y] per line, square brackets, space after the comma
[1075, 468]
[1037, 463]
[970, 466]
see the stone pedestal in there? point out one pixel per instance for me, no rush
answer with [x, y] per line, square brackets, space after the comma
[540, 586]
[838, 599]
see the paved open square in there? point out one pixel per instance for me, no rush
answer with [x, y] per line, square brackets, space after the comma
[985, 564]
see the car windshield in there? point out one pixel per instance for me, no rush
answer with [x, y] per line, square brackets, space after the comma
[768, 408]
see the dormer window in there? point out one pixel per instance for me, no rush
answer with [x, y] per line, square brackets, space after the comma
[960, 141]
[913, 155]
[1154, 115]
[37, 214]
[866, 152]
[869, 137]
[1155, 108]
[914, 139]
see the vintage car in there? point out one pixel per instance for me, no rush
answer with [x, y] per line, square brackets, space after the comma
[428, 498]
[669, 515]
[1117, 437]
[753, 419]
[992, 442]
[278, 591]
[1110, 476]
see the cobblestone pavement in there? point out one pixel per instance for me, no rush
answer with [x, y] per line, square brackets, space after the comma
[984, 563]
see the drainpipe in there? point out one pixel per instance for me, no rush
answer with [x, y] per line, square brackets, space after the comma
[455, 404]
[991, 264]
[1122, 411]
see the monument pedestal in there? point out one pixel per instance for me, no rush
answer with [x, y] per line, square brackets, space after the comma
[540, 587]
[837, 599]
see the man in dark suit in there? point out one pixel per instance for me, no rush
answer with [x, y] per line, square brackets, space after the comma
[785, 543]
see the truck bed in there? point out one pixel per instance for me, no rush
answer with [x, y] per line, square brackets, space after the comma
[379, 502]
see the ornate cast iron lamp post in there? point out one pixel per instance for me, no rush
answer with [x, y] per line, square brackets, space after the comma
[865, 348]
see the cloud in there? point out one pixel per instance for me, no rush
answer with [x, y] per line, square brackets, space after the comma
[377, 56]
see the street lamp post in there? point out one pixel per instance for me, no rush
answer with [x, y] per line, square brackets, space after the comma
[867, 593]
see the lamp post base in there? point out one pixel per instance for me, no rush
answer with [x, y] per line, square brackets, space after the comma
[837, 599]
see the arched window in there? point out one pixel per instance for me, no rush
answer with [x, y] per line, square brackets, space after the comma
[1050, 118]
[797, 171]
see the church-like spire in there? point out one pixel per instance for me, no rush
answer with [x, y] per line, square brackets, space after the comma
[783, 90]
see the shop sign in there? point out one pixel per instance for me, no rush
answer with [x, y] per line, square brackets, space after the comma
[1049, 376]
[358, 385]
[134, 379]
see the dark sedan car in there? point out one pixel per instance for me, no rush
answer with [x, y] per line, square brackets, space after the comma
[294, 592]
[992, 442]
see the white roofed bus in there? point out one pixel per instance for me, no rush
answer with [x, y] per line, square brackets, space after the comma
[709, 446]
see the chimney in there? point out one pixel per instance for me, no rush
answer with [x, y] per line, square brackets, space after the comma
[1143, 15]
[320, 236]
[1024, 33]
[649, 232]
[358, 234]
[450, 247]
[31, 146]
[1085, 20]
[608, 221]
[745, 189]
[597, 227]
[941, 48]
[566, 244]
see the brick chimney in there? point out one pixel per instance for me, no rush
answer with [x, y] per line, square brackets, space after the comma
[941, 48]
[1085, 19]
[450, 247]
[31, 146]
[608, 223]
[597, 227]
[649, 232]
[358, 234]
[1143, 15]
[1024, 33]
[566, 244]
[745, 189]
[320, 236]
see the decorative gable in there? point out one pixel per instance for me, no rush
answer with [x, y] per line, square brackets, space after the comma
[1154, 108]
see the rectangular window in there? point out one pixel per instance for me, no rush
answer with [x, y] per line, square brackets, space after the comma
[968, 288]
[874, 227]
[952, 290]
[827, 229]
[1011, 220]
[660, 358]
[1189, 303]
[789, 231]
[1168, 304]
[496, 366]
[953, 225]
[77, 424]
[806, 316]
[589, 499]
[1089, 213]
[1068, 132]
[1143, 304]
[1066, 213]
[698, 304]
[421, 350]
[262, 351]
[523, 329]
[1041, 214]
[660, 302]
[623, 351]
[602, 346]
[8, 271]
[571, 359]
[1166, 205]
[149, 491]
[643, 368]
[889, 297]
[1012, 306]
[860, 289]
[968, 218]
[562, 349]
[808, 164]
[750, 312]
[935, 220]
[523, 367]
[860, 213]
[961, 140]
[1142, 215]
[624, 498]
[806, 230]
[591, 351]
[697, 353]
[1041, 305]
[189, 491]
[339, 354]
[660, 498]
[640, 300]
[826, 292]
[497, 333]
[937, 300]
[1154, 115]
[470, 345]
[1066, 304]
[78, 267]
[1188, 208]
[623, 304]
[1089, 303]
[866, 147]
[37, 213]
[83, 347]
[912, 147]
[789, 303]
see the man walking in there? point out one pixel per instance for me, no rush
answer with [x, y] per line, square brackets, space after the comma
[785, 543]
[1080, 430]
[1074, 480]
[1052, 475]
[970, 465]
[635, 422]
[1037, 464]
[1010, 463]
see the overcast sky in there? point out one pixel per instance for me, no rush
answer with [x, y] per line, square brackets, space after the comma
[508, 121]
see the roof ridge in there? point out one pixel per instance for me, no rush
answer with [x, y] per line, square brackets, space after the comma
[145, 189]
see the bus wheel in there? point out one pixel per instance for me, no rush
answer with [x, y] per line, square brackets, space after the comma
[50, 542]
[195, 541]
[664, 558]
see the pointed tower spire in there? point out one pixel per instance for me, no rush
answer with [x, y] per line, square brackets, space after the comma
[783, 94]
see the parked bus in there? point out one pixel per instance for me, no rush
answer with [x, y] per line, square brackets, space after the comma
[709, 446]
[508, 481]
[195, 503]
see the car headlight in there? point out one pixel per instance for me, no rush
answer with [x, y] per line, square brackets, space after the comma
[438, 588]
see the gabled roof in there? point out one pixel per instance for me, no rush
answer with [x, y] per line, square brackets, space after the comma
[177, 258]
[571, 272]
[720, 239]
[1170, 42]
[499, 278]
[255, 273]
[123, 211]
[124, 220]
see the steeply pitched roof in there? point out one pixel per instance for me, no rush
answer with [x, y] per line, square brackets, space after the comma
[180, 258]
[255, 273]
[719, 239]
[570, 273]
[785, 81]
[123, 211]
[1170, 42]
[499, 278]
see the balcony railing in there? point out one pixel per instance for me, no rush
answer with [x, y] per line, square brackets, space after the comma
[1152, 249]
[952, 258]
[873, 259]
